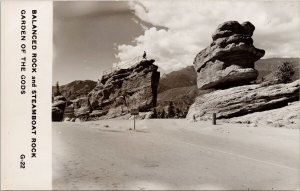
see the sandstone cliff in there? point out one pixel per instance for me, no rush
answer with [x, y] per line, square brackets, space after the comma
[120, 91]
[230, 58]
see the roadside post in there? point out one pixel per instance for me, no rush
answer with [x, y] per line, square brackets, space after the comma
[214, 119]
[134, 112]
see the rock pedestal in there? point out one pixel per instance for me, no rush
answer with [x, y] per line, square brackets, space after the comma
[238, 101]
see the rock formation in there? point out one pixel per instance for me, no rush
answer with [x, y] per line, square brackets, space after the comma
[81, 106]
[120, 91]
[229, 60]
[243, 100]
[224, 72]
[58, 108]
[288, 116]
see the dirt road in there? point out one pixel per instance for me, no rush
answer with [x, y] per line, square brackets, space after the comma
[174, 154]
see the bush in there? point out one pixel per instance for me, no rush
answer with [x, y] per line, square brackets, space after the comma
[284, 73]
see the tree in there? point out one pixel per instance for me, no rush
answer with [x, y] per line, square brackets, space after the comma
[177, 113]
[57, 92]
[284, 73]
[163, 113]
[154, 115]
[171, 110]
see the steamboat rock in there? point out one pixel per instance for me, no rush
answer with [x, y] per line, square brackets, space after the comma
[120, 91]
[229, 60]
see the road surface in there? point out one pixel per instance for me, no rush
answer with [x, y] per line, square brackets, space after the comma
[174, 154]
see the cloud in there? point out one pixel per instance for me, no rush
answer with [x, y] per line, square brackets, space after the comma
[188, 26]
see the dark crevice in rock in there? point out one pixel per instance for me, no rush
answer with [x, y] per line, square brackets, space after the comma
[262, 108]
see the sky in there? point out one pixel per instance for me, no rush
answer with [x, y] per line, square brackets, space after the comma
[89, 37]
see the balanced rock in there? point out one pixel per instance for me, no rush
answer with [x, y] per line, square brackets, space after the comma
[229, 60]
[242, 100]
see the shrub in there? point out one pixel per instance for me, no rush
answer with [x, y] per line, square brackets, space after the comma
[284, 73]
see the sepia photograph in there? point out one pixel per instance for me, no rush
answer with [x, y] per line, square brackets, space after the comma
[176, 95]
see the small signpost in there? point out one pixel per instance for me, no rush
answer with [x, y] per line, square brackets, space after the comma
[134, 112]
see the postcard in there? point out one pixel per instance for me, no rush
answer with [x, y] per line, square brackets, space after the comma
[150, 95]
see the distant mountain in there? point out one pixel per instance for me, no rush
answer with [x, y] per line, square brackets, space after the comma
[182, 97]
[76, 89]
[181, 78]
[267, 66]
[179, 87]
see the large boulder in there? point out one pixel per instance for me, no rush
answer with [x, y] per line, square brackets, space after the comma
[229, 60]
[242, 100]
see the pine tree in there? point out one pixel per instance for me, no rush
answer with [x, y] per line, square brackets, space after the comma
[163, 114]
[154, 115]
[171, 110]
[57, 93]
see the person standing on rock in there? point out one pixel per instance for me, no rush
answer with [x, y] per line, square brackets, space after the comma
[145, 55]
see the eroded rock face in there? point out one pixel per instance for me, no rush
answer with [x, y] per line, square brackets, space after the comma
[81, 107]
[120, 91]
[242, 100]
[229, 60]
[58, 108]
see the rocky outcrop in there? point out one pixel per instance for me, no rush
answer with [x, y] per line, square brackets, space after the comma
[81, 107]
[120, 91]
[288, 117]
[229, 60]
[58, 108]
[242, 100]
